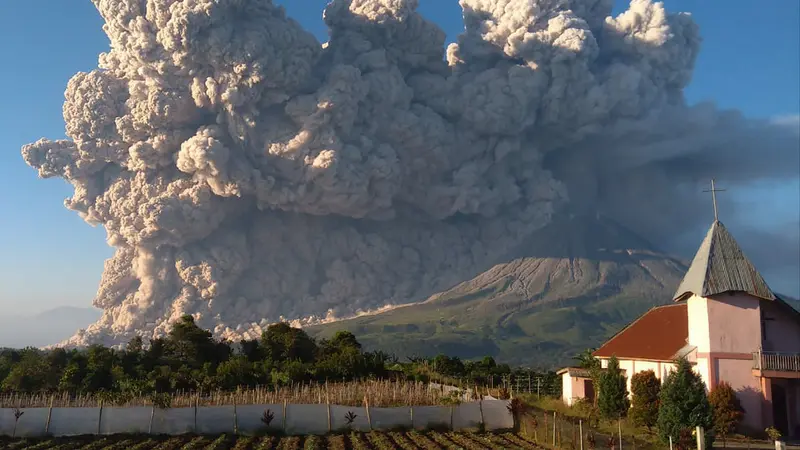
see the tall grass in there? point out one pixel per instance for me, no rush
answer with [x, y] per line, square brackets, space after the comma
[380, 393]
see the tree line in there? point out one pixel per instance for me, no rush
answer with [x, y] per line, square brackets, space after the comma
[673, 408]
[189, 359]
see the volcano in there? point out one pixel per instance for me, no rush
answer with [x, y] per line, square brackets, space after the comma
[569, 287]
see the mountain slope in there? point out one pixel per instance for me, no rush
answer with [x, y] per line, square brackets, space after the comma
[46, 328]
[572, 285]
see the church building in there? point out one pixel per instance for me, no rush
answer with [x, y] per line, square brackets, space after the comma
[729, 324]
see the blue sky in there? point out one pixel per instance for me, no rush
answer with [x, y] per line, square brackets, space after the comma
[50, 257]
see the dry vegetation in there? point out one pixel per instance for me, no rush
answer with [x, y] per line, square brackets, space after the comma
[380, 393]
[375, 440]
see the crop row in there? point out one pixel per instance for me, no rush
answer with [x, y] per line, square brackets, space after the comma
[401, 440]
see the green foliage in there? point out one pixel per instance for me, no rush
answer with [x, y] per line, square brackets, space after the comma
[645, 388]
[727, 408]
[281, 342]
[612, 400]
[586, 360]
[684, 404]
[28, 374]
[773, 433]
[448, 366]
[189, 359]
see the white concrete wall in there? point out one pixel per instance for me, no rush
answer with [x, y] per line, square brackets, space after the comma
[703, 368]
[173, 421]
[31, 423]
[72, 421]
[360, 423]
[300, 419]
[388, 418]
[215, 419]
[125, 420]
[496, 415]
[427, 416]
[643, 366]
[567, 384]
[468, 416]
[249, 418]
[629, 366]
[666, 369]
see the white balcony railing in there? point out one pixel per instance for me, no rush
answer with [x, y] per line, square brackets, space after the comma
[776, 361]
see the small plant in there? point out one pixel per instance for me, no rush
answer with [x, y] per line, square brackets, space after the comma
[773, 433]
[517, 408]
[17, 414]
[583, 407]
[267, 417]
[350, 417]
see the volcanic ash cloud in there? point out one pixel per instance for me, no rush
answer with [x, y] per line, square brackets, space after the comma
[245, 172]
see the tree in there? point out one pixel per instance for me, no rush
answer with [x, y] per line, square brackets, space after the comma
[728, 411]
[345, 339]
[645, 388]
[282, 343]
[192, 345]
[29, 374]
[586, 360]
[71, 378]
[684, 404]
[613, 399]
[445, 365]
[235, 372]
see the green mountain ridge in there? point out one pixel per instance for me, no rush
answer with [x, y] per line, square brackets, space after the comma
[570, 286]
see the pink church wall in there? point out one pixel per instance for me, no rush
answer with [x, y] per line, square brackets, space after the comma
[734, 323]
[782, 332]
[738, 373]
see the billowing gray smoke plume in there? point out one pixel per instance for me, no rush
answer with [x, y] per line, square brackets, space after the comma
[246, 172]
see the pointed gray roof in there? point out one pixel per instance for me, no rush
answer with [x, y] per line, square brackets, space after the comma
[720, 266]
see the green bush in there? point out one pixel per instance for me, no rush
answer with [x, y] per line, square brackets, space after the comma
[645, 388]
[684, 405]
[613, 399]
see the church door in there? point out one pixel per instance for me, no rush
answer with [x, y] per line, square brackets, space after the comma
[588, 390]
[780, 413]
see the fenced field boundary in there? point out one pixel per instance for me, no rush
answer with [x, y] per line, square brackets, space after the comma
[293, 419]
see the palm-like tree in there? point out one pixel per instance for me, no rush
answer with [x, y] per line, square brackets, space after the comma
[586, 359]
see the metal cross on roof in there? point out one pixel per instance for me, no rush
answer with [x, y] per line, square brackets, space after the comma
[714, 191]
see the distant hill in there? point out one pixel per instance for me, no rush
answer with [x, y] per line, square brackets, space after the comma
[46, 328]
[571, 286]
[793, 302]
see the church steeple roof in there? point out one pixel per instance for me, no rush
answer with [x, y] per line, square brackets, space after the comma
[720, 266]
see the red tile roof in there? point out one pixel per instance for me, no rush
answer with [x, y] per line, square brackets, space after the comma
[657, 336]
